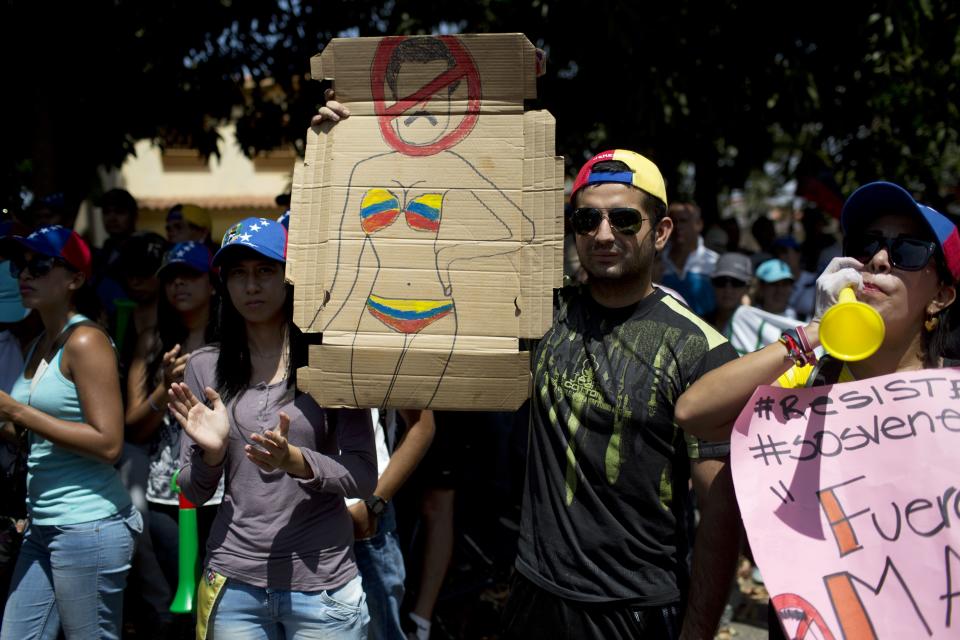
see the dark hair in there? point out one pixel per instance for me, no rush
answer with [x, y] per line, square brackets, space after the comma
[141, 254]
[937, 343]
[87, 302]
[686, 205]
[651, 205]
[119, 199]
[233, 364]
[170, 331]
[764, 232]
[418, 50]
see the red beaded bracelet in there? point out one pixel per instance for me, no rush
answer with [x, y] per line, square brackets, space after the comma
[793, 350]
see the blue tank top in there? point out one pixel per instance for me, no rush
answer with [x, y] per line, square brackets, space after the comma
[64, 487]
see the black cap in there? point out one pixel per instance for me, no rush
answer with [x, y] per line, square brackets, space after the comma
[142, 254]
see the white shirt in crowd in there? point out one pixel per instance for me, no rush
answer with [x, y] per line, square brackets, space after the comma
[385, 438]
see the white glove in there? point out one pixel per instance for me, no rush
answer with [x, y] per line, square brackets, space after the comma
[842, 272]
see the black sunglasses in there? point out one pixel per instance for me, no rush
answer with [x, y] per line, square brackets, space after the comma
[38, 266]
[723, 282]
[907, 254]
[625, 220]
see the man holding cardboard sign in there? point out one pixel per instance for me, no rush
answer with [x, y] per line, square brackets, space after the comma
[425, 235]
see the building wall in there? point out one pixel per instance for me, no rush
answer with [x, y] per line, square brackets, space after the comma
[230, 187]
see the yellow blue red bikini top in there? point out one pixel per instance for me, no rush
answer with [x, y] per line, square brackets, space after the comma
[380, 208]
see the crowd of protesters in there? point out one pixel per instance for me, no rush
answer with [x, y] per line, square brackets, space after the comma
[158, 366]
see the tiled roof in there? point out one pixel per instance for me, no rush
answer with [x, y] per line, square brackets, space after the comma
[210, 202]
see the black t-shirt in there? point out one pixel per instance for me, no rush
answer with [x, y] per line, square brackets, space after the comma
[607, 469]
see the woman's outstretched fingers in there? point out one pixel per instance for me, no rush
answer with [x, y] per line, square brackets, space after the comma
[181, 393]
[262, 457]
[212, 396]
[261, 439]
[259, 463]
[181, 401]
[177, 407]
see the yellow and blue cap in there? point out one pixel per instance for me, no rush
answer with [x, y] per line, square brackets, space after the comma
[192, 214]
[643, 173]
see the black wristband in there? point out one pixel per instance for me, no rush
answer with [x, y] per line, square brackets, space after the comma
[376, 505]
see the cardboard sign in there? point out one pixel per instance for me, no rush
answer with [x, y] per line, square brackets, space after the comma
[426, 229]
[851, 500]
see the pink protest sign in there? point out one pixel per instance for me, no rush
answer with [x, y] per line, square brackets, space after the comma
[850, 495]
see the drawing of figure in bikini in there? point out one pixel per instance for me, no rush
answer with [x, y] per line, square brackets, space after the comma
[411, 242]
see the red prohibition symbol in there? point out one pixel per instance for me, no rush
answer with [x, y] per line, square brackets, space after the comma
[463, 69]
[787, 603]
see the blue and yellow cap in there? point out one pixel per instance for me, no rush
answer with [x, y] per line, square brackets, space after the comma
[643, 173]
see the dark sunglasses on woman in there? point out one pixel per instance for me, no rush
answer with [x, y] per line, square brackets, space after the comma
[38, 266]
[625, 220]
[906, 253]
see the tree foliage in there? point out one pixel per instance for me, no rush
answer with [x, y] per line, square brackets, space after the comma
[856, 91]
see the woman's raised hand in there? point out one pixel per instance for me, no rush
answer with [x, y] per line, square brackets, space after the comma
[209, 427]
[174, 365]
[276, 452]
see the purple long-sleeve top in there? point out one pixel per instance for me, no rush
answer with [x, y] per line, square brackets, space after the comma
[273, 530]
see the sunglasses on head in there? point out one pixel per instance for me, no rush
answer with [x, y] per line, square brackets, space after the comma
[723, 282]
[38, 266]
[625, 220]
[906, 253]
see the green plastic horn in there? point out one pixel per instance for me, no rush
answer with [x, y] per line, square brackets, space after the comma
[183, 601]
[125, 308]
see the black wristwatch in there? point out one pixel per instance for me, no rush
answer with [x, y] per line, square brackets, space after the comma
[376, 505]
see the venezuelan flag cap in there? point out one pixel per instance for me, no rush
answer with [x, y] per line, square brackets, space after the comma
[192, 255]
[59, 242]
[643, 173]
[878, 199]
[261, 235]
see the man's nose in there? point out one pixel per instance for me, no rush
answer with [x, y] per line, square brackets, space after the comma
[604, 231]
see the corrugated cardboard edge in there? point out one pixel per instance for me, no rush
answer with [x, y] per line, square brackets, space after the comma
[308, 238]
[498, 381]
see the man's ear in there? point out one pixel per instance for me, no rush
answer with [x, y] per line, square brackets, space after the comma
[662, 233]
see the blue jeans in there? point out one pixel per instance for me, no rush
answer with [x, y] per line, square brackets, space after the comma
[74, 576]
[381, 567]
[246, 612]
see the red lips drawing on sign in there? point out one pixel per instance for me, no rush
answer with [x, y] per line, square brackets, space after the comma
[462, 68]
